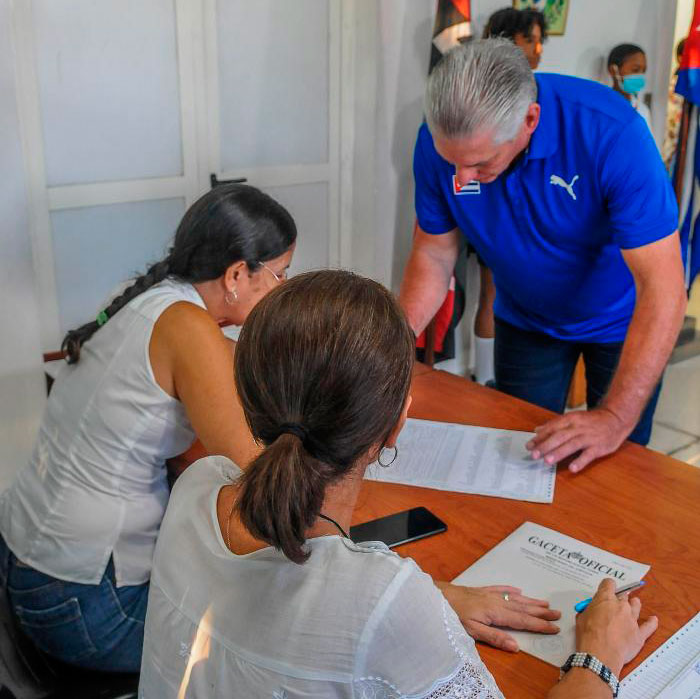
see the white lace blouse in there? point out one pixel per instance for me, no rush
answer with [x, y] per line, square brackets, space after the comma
[354, 621]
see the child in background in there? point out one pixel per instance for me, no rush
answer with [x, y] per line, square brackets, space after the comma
[527, 29]
[627, 65]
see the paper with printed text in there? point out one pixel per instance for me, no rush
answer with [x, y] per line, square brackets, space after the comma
[672, 671]
[466, 459]
[548, 565]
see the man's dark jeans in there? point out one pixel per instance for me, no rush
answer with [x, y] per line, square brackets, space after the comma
[538, 368]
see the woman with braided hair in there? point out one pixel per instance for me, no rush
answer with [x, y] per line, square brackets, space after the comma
[152, 371]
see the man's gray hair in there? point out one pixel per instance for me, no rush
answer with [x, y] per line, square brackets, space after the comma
[482, 84]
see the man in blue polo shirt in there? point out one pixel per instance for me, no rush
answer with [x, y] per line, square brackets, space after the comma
[557, 183]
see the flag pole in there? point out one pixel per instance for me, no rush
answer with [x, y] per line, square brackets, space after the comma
[682, 150]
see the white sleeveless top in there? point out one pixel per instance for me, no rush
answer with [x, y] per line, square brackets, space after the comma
[96, 483]
[353, 621]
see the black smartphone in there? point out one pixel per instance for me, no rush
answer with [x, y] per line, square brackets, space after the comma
[400, 528]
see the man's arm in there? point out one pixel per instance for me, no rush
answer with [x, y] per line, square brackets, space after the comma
[658, 315]
[660, 306]
[426, 278]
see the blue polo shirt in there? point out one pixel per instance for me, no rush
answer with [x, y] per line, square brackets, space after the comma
[551, 229]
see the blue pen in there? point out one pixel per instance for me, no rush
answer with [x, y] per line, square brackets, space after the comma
[580, 606]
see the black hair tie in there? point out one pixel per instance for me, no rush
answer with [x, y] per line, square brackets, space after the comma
[297, 429]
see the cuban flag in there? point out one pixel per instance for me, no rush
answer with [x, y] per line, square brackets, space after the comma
[472, 187]
[687, 169]
[452, 26]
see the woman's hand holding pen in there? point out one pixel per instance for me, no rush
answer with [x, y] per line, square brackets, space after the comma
[482, 609]
[610, 630]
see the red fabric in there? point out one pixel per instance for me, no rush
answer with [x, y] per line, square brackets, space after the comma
[443, 320]
[691, 50]
[463, 7]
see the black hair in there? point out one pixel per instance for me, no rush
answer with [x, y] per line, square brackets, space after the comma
[323, 369]
[680, 47]
[228, 224]
[508, 22]
[622, 52]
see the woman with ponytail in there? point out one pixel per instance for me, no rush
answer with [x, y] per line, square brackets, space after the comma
[257, 591]
[150, 373]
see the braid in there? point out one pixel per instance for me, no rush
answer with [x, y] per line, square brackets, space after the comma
[230, 223]
[75, 339]
[155, 274]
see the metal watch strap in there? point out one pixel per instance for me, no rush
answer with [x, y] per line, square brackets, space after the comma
[591, 663]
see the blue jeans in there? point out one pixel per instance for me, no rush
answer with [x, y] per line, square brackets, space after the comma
[538, 368]
[97, 627]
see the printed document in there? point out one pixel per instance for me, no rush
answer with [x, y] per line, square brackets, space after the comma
[686, 685]
[466, 459]
[672, 671]
[548, 565]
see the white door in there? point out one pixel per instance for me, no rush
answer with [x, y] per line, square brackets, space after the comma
[273, 90]
[127, 108]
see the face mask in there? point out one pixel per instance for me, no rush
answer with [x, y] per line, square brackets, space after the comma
[633, 84]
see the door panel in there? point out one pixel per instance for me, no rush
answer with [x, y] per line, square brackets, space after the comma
[274, 86]
[97, 247]
[273, 63]
[129, 105]
[308, 205]
[108, 88]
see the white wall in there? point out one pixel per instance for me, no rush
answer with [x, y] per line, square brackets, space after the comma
[392, 49]
[21, 377]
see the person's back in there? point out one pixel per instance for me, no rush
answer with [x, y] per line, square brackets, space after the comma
[79, 524]
[230, 614]
[259, 625]
[98, 464]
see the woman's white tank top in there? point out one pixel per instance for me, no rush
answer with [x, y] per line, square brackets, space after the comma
[96, 484]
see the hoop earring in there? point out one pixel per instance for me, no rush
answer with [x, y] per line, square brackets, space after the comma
[227, 297]
[393, 458]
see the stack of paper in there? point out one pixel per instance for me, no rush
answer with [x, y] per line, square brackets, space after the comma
[672, 671]
[465, 459]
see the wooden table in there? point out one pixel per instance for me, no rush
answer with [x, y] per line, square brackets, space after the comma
[637, 503]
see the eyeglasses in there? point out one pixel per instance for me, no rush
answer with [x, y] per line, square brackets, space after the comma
[279, 278]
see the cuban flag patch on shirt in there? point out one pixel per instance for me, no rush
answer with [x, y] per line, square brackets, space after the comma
[472, 187]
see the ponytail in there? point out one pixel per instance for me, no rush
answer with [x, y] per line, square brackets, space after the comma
[281, 493]
[75, 339]
[322, 368]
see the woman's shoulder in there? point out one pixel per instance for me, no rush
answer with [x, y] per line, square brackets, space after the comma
[178, 313]
[209, 471]
[189, 521]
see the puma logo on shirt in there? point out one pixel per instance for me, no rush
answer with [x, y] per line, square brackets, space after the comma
[559, 182]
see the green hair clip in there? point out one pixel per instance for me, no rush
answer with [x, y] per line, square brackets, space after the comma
[102, 318]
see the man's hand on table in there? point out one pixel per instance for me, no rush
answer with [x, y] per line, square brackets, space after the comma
[481, 609]
[594, 433]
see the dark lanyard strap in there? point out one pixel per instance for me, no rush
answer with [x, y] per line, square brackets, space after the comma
[332, 521]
